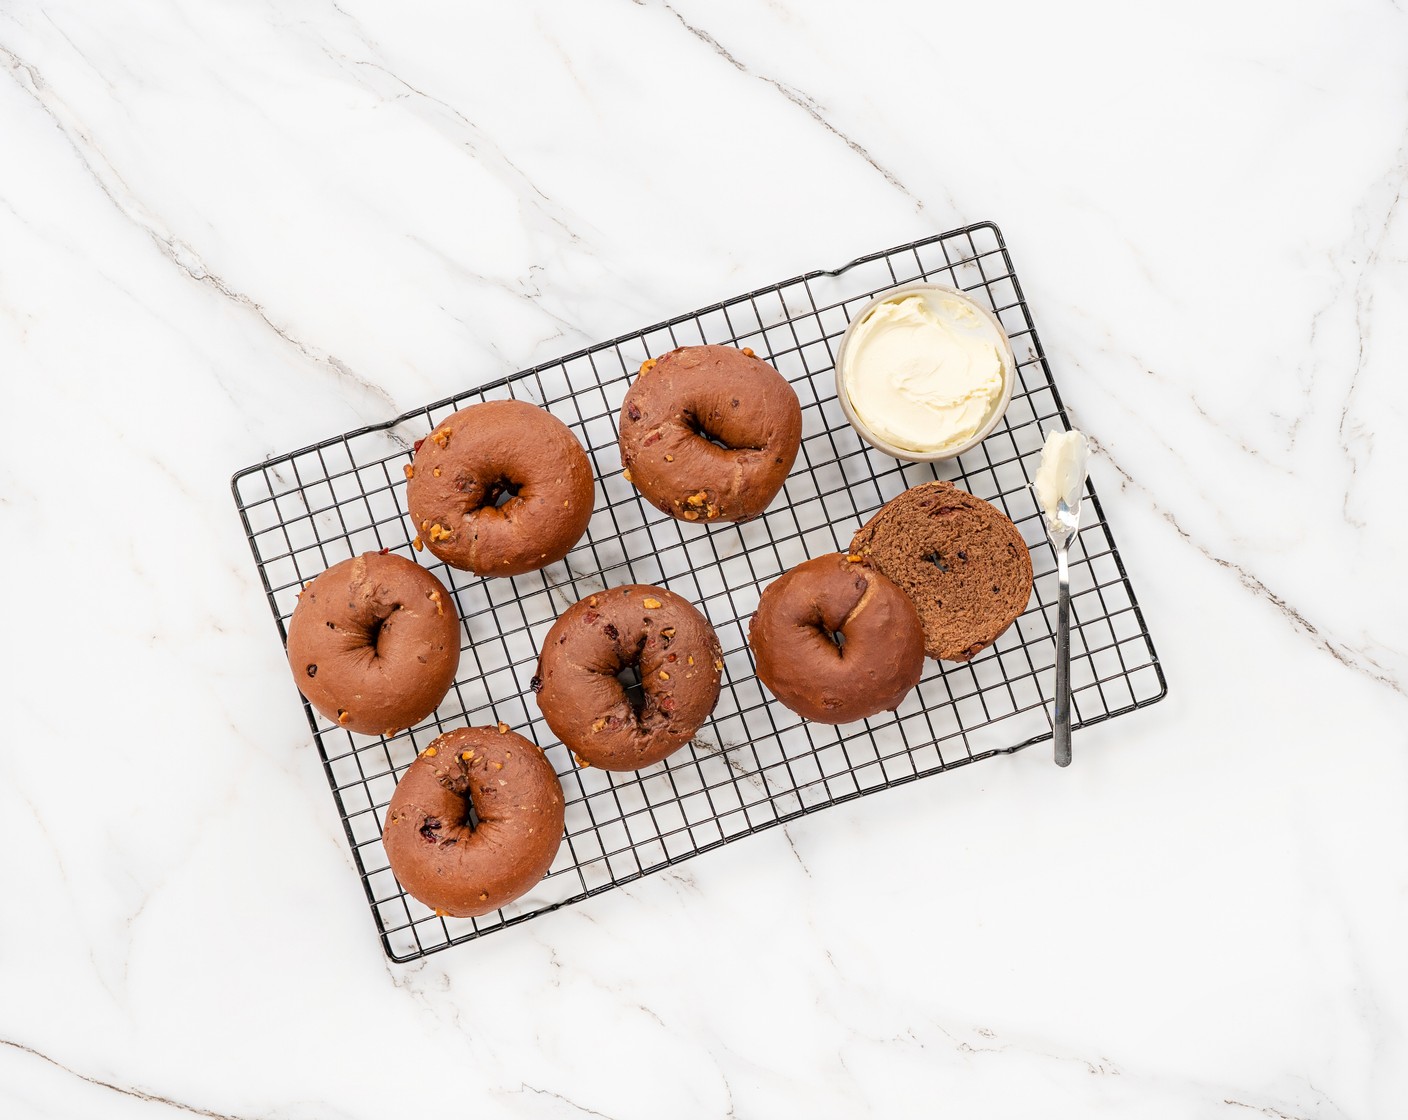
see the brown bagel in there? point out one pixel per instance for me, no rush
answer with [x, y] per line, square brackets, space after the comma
[374, 643]
[959, 558]
[690, 398]
[463, 866]
[835, 641]
[673, 646]
[500, 488]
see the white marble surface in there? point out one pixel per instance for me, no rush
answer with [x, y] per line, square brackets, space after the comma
[227, 229]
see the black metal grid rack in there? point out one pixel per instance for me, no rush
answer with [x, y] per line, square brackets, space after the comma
[754, 764]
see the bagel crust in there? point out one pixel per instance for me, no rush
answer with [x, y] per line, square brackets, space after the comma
[836, 641]
[475, 821]
[500, 488]
[662, 635]
[374, 643]
[679, 411]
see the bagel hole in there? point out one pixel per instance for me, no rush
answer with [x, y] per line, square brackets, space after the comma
[374, 632]
[501, 493]
[633, 688]
[696, 426]
[835, 637]
[376, 626]
[937, 560]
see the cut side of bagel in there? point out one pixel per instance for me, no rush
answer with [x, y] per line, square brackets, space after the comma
[959, 558]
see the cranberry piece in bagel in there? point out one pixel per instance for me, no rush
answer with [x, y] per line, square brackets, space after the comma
[663, 636]
[709, 433]
[475, 822]
[836, 641]
[374, 643]
[500, 488]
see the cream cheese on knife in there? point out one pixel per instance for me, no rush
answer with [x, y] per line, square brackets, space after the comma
[1061, 475]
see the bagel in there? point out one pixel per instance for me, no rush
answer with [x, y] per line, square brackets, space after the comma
[475, 821]
[499, 489]
[836, 641]
[959, 558]
[653, 630]
[374, 643]
[709, 433]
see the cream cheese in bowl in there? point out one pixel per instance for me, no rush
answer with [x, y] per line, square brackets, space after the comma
[924, 373]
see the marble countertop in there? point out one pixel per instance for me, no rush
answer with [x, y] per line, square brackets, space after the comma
[227, 230]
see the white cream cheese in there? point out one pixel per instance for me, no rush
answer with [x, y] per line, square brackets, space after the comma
[1061, 475]
[924, 372]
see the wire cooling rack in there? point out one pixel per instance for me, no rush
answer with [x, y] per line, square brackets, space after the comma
[754, 764]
